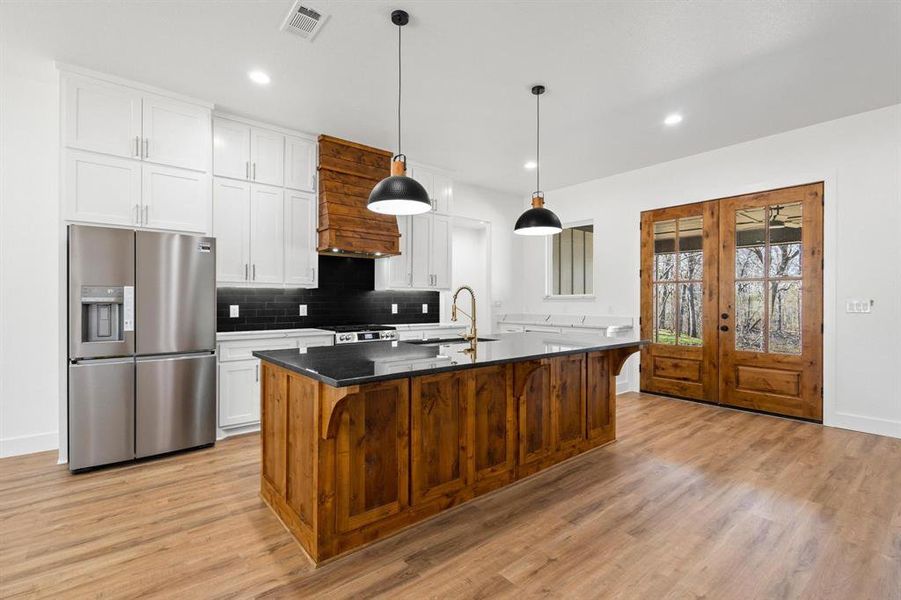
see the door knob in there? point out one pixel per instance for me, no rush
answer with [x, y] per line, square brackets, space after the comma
[724, 328]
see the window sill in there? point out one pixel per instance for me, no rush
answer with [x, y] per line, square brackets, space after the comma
[571, 297]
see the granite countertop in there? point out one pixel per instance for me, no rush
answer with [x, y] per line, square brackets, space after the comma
[354, 364]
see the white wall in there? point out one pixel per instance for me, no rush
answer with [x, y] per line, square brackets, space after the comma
[499, 211]
[472, 257]
[858, 158]
[29, 253]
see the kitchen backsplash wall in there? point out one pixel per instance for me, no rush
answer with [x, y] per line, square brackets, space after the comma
[345, 297]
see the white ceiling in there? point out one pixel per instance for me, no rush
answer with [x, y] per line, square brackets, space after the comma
[614, 70]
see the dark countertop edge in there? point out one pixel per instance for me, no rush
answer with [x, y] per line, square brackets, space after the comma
[339, 383]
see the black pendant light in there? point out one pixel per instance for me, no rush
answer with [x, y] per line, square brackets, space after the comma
[537, 220]
[399, 194]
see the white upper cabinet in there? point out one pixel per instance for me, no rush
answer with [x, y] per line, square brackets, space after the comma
[426, 178]
[300, 238]
[176, 133]
[398, 267]
[102, 189]
[267, 241]
[231, 149]
[175, 199]
[101, 117]
[443, 201]
[267, 157]
[231, 217]
[300, 163]
[133, 156]
[440, 254]
[420, 225]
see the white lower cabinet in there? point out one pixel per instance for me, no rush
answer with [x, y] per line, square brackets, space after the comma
[239, 392]
[176, 199]
[240, 373]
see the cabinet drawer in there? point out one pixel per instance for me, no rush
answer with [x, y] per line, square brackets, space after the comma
[310, 342]
[243, 350]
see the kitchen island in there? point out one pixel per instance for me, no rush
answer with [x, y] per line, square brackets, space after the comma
[362, 440]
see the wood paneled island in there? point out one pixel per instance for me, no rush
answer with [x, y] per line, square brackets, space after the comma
[362, 440]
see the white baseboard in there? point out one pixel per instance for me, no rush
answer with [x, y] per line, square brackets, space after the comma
[221, 434]
[865, 424]
[28, 444]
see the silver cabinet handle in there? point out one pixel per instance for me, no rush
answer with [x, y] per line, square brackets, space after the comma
[257, 373]
[146, 147]
[254, 171]
[146, 213]
[246, 169]
[246, 274]
[137, 146]
[254, 271]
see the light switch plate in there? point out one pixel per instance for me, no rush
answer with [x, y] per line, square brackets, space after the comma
[425, 308]
[302, 310]
[394, 309]
[233, 311]
[853, 305]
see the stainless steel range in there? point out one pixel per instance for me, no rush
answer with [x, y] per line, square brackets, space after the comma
[354, 334]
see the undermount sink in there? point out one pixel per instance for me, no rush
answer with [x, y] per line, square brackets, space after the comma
[453, 340]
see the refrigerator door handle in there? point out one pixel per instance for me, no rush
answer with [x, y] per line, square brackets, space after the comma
[171, 357]
[86, 362]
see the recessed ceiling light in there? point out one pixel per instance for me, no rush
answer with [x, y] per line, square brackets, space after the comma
[259, 77]
[531, 164]
[673, 119]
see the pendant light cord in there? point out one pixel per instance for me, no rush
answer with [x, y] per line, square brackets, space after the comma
[398, 90]
[537, 142]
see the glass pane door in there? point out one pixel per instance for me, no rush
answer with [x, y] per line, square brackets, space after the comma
[678, 279]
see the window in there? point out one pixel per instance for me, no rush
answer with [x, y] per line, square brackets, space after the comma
[678, 278]
[571, 269]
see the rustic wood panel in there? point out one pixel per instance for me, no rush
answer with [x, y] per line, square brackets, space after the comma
[568, 410]
[273, 395]
[440, 407]
[601, 393]
[532, 383]
[347, 174]
[494, 422]
[749, 518]
[302, 443]
[371, 455]
[682, 369]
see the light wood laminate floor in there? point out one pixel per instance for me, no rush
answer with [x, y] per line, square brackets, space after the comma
[693, 501]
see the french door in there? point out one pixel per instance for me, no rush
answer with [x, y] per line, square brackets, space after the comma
[732, 301]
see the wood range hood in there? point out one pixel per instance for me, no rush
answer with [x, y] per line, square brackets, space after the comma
[347, 173]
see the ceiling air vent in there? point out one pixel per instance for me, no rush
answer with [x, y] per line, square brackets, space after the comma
[304, 21]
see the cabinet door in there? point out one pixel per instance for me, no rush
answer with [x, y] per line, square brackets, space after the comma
[175, 199]
[176, 133]
[399, 266]
[439, 406]
[532, 385]
[444, 194]
[267, 237]
[300, 238]
[300, 163]
[231, 214]
[372, 451]
[441, 241]
[102, 189]
[568, 411]
[101, 117]
[420, 249]
[267, 157]
[231, 149]
[600, 399]
[494, 422]
[239, 392]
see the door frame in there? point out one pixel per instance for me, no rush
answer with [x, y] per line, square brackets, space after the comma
[831, 415]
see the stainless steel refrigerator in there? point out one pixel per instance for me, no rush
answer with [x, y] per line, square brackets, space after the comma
[142, 339]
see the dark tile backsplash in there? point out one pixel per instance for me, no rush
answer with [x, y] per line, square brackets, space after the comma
[345, 297]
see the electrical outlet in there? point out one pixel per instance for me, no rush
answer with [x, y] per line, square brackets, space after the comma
[394, 309]
[233, 311]
[302, 310]
[425, 308]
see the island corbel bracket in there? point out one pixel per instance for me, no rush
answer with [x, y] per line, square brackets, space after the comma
[618, 357]
[331, 399]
